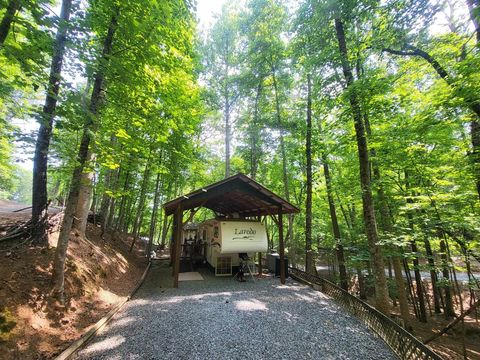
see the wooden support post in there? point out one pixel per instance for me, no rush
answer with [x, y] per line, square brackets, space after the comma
[172, 244]
[178, 242]
[260, 270]
[281, 245]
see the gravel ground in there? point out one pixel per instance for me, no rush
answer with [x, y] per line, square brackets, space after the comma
[220, 318]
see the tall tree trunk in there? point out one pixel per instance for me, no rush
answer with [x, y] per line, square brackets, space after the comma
[286, 189]
[396, 259]
[309, 258]
[105, 206]
[349, 221]
[335, 227]
[408, 276]
[111, 216]
[227, 136]
[122, 211]
[165, 228]
[84, 195]
[153, 219]
[387, 223]
[137, 225]
[346, 216]
[7, 20]
[422, 312]
[400, 283]
[105, 202]
[113, 201]
[132, 200]
[361, 283]
[474, 9]
[437, 296]
[58, 274]
[449, 310]
[254, 135]
[165, 223]
[475, 134]
[278, 115]
[390, 277]
[416, 264]
[402, 291]
[110, 184]
[433, 276]
[227, 108]
[93, 206]
[40, 160]
[381, 292]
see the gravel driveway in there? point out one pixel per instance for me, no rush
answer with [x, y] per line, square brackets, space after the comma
[220, 318]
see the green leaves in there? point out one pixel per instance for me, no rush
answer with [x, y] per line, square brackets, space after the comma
[122, 134]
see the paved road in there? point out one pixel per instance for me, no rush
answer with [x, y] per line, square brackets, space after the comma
[220, 318]
[9, 217]
[461, 276]
[10, 208]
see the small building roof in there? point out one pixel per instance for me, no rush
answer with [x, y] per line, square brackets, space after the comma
[237, 194]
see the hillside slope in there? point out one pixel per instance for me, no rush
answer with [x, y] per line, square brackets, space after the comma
[98, 274]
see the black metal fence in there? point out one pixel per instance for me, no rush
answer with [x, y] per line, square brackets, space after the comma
[404, 344]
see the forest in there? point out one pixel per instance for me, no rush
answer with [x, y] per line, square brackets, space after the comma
[364, 114]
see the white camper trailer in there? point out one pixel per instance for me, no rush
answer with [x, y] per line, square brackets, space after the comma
[226, 239]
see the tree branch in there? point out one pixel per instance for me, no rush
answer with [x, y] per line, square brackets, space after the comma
[399, 52]
[414, 51]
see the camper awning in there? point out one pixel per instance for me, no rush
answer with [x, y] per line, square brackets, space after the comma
[237, 194]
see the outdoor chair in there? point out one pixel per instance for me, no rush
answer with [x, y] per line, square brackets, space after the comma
[247, 265]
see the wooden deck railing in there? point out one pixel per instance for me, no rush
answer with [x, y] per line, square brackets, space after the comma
[404, 344]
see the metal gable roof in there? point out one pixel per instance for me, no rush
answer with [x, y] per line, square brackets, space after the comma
[237, 194]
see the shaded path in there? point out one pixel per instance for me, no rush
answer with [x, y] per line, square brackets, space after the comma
[220, 318]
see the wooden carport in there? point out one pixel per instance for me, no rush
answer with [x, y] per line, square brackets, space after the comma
[233, 197]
